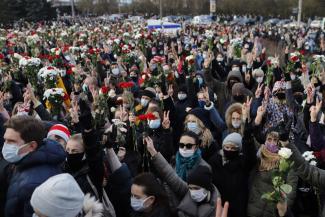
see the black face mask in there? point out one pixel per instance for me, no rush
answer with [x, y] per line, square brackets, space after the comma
[280, 96]
[134, 79]
[75, 161]
[239, 98]
[299, 99]
[230, 155]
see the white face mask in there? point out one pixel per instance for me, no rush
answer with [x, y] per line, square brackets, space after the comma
[154, 124]
[192, 126]
[144, 102]
[186, 152]
[259, 79]
[10, 152]
[220, 59]
[116, 71]
[198, 195]
[244, 68]
[34, 215]
[235, 124]
[293, 77]
[138, 204]
[182, 96]
[235, 69]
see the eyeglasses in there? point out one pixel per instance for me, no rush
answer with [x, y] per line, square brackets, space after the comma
[187, 146]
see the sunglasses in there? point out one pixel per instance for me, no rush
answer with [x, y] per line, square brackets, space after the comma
[187, 146]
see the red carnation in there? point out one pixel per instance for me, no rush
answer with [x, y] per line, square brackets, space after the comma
[268, 62]
[1, 56]
[50, 68]
[145, 117]
[66, 97]
[302, 52]
[294, 59]
[151, 116]
[317, 154]
[126, 84]
[104, 89]
[142, 117]
[69, 71]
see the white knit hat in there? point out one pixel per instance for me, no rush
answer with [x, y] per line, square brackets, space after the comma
[60, 196]
[233, 138]
[59, 130]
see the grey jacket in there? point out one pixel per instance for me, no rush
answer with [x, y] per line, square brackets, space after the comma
[187, 207]
[308, 173]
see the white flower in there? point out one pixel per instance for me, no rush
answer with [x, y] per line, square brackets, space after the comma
[313, 163]
[138, 36]
[17, 56]
[319, 58]
[53, 92]
[117, 41]
[285, 153]
[64, 34]
[188, 58]
[126, 34]
[209, 34]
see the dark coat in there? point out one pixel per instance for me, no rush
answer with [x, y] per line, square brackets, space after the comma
[31, 172]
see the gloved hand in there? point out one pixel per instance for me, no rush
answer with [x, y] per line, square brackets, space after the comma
[110, 137]
[85, 117]
[287, 77]
[284, 128]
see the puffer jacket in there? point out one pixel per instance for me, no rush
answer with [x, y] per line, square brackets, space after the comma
[186, 207]
[310, 174]
[91, 207]
[31, 172]
[262, 183]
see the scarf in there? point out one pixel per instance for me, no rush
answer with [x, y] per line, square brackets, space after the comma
[183, 165]
[269, 160]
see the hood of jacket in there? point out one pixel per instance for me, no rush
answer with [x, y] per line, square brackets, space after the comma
[191, 208]
[231, 109]
[235, 74]
[50, 152]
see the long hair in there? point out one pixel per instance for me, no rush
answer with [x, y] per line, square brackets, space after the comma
[206, 135]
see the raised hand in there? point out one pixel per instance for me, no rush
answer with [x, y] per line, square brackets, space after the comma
[150, 147]
[170, 90]
[166, 121]
[314, 110]
[221, 211]
[310, 93]
[247, 108]
[258, 91]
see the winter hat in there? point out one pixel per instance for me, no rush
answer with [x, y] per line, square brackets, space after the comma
[279, 85]
[235, 75]
[297, 86]
[240, 89]
[203, 115]
[60, 196]
[258, 72]
[182, 88]
[201, 176]
[149, 92]
[233, 138]
[59, 130]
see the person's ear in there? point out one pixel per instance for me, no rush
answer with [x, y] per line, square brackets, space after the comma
[150, 201]
[33, 146]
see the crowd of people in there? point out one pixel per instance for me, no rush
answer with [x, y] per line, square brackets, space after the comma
[101, 118]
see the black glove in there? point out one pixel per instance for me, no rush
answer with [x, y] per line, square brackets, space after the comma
[110, 137]
[284, 129]
[85, 118]
[287, 77]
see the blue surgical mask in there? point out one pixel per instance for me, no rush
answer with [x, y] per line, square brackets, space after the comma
[144, 102]
[10, 152]
[192, 126]
[182, 96]
[201, 103]
[154, 124]
[200, 81]
[116, 71]
[138, 204]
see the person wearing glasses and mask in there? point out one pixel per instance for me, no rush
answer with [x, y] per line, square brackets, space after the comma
[192, 180]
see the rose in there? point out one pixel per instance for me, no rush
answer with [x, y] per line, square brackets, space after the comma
[104, 89]
[285, 153]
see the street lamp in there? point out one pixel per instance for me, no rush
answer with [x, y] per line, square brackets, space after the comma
[299, 11]
[72, 8]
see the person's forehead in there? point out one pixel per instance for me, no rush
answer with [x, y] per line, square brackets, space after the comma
[11, 134]
[187, 140]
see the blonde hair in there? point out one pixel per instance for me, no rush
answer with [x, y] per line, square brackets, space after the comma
[78, 138]
[206, 135]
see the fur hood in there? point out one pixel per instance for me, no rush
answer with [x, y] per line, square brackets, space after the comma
[91, 207]
[233, 107]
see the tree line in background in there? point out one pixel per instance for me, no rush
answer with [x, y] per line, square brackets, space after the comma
[36, 10]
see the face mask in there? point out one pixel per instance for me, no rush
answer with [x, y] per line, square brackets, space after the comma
[186, 152]
[34, 215]
[272, 147]
[239, 98]
[153, 67]
[144, 102]
[75, 161]
[230, 155]
[198, 195]
[22, 114]
[182, 96]
[85, 88]
[220, 59]
[10, 152]
[201, 103]
[235, 69]
[204, 56]
[200, 80]
[236, 124]
[192, 126]
[244, 68]
[293, 77]
[281, 96]
[259, 79]
[154, 124]
[153, 53]
[137, 204]
[116, 71]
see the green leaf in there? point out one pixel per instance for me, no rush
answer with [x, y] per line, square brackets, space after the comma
[286, 188]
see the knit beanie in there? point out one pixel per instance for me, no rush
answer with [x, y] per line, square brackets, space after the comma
[203, 115]
[149, 92]
[201, 176]
[59, 130]
[233, 138]
[60, 196]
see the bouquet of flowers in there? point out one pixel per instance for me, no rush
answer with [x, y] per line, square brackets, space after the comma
[315, 66]
[236, 45]
[33, 40]
[55, 57]
[101, 108]
[2, 42]
[294, 58]
[209, 35]
[310, 157]
[55, 98]
[49, 76]
[280, 187]
[271, 63]
[31, 67]
[190, 63]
